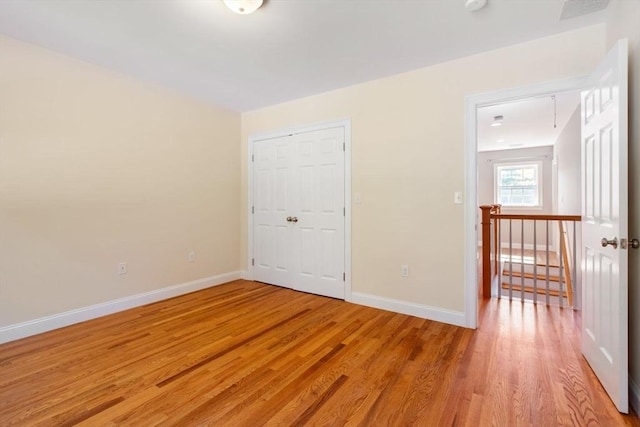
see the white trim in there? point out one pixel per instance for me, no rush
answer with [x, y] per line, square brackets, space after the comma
[634, 395]
[245, 275]
[347, 203]
[472, 103]
[59, 320]
[437, 314]
[344, 123]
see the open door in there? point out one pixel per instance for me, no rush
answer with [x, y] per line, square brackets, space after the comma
[604, 224]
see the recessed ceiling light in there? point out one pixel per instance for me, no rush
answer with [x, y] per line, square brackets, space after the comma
[243, 7]
[497, 121]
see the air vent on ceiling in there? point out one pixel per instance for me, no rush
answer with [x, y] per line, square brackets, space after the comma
[573, 8]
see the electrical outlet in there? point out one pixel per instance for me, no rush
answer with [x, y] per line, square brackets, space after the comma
[192, 256]
[122, 268]
[404, 270]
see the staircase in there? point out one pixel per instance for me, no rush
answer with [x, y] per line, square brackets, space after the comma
[521, 278]
[544, 275]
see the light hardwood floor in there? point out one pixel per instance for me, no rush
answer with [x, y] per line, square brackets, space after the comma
[250, 354]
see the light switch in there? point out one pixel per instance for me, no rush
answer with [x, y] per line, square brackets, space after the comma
[457, 197]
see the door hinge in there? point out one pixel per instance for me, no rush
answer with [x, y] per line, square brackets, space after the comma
[344, 146]
[344, 211]
[344, 277]
[253, 261]
[252, 158]
[253, 209]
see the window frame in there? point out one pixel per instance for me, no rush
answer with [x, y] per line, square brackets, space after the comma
[540, 178]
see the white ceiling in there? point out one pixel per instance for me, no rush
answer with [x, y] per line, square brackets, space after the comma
[286, 50]
[526, 123]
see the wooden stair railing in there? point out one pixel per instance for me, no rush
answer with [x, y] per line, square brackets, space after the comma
[492, 253]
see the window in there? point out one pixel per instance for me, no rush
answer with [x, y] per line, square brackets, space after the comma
[518, 184]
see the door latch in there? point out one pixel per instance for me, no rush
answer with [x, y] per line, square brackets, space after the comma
[606, 242]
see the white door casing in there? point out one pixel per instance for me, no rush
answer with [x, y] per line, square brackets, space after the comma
[299, 211]
[604, 215]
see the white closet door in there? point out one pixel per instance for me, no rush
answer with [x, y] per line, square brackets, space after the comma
[319, 201]
[299, 222]
[272, 236]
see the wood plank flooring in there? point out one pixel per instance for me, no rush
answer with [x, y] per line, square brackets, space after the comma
[247, 354]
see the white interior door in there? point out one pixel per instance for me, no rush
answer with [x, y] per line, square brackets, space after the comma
[604, 216]
[299, 217]
[272, 234]
[319, 207]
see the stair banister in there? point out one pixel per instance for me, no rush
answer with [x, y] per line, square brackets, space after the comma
[488, 273]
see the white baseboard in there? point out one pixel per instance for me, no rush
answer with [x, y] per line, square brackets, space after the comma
[55, 321]
[634, 396]
[456, 318]
[244, 274]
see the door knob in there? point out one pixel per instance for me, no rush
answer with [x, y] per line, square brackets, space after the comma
[294, 219]
[289, 219]
[634, 243]
[606, 242]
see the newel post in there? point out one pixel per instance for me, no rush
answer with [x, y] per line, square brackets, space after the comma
[486, 250]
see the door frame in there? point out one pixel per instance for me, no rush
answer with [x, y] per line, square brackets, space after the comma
[292, 130]
[471, 218]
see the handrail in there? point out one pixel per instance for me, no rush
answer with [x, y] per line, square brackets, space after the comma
[540, 217]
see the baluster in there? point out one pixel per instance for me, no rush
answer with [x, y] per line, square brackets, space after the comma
[510, 261]
[500, 257]
[535, 262]
[522, 260]
[547, 264]
[574, 268]
[560, 274]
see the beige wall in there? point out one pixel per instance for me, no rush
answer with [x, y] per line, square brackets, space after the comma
[624, 22]
[408, 150]
[96, 168]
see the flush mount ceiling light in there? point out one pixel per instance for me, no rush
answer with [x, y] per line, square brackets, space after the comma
[497, 121]
[473, 5]
[243, 7]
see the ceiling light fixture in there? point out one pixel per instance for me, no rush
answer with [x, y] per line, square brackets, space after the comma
[243, 7]
[497, 121]
[473, 5]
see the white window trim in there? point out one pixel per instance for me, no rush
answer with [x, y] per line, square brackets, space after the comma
[506, 162]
